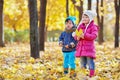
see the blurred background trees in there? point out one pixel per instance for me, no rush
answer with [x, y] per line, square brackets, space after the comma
[100, 19]
[42, 21]
[89, 4]
[117, 20]
[1, 24]
[67, 8]
[16, 19]
[79, 7]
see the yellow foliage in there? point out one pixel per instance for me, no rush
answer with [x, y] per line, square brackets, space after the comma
[16, 14]
[31, 60]
[64, 78]
[16, 64]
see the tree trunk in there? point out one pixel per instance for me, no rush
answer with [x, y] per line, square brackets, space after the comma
[34, 43]
[117, 6]
[89, 4]
[67, 7]
[97, 10]
[46, 33]
[79, 8]
[43, 4]
[102, 24]
[100, 20]
[1, 24]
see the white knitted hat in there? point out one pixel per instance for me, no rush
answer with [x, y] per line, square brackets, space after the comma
[90, 14]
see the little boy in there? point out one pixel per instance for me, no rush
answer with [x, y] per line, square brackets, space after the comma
[68, 44]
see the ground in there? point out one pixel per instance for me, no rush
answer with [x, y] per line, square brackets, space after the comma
[16, 63]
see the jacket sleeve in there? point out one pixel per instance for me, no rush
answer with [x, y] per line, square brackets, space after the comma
[61, 38]
[93, 35]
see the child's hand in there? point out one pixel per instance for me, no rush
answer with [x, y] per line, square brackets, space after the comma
[72, 44]
[66, 46]
[82, 36]
[78, 38]
[60, 43]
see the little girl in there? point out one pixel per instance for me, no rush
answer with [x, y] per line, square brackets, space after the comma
[85, 48]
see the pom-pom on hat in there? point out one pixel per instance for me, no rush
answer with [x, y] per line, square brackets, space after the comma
[72, 18]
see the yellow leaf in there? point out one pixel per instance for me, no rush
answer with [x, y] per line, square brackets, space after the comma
[78, 33]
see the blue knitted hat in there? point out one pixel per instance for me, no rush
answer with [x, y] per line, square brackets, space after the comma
[72, 18]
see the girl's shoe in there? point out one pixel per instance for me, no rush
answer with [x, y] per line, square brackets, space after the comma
[92, 73]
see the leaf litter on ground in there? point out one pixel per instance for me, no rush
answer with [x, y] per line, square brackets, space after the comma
[16, 63]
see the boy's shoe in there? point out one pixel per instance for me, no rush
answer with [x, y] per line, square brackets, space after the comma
[65, 70]
[92, 73]
[72, 73]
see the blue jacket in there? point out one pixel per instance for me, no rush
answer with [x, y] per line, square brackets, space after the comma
[66, 38]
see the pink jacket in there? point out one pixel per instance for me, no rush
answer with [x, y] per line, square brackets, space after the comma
[86, 47]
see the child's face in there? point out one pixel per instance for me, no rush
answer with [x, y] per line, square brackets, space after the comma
[69, 24]
[85, 19]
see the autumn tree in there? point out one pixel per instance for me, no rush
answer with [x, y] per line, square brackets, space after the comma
[67, 7]
[55, 15]
[34, 44]
[100, 19]
[1, 24]
[89, 4]
[17, 16]
[43, 4]
[117, 12]
[79, 8]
